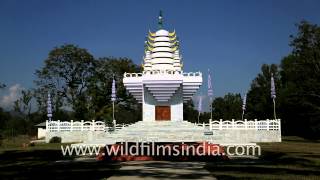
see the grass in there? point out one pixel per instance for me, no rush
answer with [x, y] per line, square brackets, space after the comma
[22, 143]
[294, 158]
[45, 161]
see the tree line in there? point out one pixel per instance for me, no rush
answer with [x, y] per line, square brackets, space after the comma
[80, 86]
[297, 81]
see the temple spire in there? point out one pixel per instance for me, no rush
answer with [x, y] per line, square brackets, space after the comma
[160, 20]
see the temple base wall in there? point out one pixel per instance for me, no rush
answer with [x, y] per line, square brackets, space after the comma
[76, 136]
[245, 136]
[175, 103]
[219, 137]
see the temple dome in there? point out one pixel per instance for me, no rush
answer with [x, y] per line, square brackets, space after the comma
[162, 32]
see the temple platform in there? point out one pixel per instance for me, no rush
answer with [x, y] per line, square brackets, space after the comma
[221, 132]
[155, 131]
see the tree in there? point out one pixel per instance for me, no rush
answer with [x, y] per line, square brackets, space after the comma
[300, 77]
[99, 90]
[23, 104]
[297, 83]
[228, 107]
[65, 74]
[189, 113]
[259, 102]
[2, 85]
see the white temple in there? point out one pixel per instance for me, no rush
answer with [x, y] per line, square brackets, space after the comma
[162, 87]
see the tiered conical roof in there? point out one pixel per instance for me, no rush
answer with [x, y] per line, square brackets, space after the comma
[162, 51]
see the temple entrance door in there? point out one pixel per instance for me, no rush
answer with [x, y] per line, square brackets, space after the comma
[163, 113]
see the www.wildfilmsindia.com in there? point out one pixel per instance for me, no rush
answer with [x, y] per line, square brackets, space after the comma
[151, 149]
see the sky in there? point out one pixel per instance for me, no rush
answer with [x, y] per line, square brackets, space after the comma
[232, 38]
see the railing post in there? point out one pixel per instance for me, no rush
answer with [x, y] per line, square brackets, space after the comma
[232, 125]
[114, 122]
[268, 122]
[279, 125]
[220, 124]
[82, 125]
[93, 125]
[256, 124]
[58, 126]
[203, 125]
[71, 125]
[210, 124]
[47, 128]
[245, 124]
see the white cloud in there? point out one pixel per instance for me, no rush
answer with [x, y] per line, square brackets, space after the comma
[12, 95]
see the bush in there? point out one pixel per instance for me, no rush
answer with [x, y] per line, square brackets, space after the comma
[55, 139]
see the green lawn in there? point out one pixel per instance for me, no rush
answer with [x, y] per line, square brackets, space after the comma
[45, 161]
[294, 158]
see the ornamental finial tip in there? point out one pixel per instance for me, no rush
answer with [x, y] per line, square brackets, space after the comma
[160, 20]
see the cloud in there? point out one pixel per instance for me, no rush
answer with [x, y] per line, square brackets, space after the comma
[12, 95]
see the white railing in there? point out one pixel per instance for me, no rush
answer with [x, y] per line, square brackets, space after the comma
[161, 72]
[190, 74]
[59, 126]
[268, 124]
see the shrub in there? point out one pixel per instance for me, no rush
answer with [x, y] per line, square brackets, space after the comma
[55, 139]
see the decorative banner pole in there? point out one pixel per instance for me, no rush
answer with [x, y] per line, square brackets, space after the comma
[160, 20]
[199, 108]
[113, 98]
[49, 107]
[210, 92]
[244, 103]
[273, 95]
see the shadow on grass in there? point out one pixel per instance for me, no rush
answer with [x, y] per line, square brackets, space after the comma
[163, 170]
[269, 165]
[50, 164]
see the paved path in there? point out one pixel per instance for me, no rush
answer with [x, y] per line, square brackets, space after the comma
[151, 170]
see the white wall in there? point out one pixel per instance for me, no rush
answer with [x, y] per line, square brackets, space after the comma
[149, 103]
[41, 133]
[177, 106]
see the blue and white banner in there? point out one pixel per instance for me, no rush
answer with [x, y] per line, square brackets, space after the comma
[244, 102]
[113, 93]
[200, 104]
[210, 89]
[49, 107]
[273, 88]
